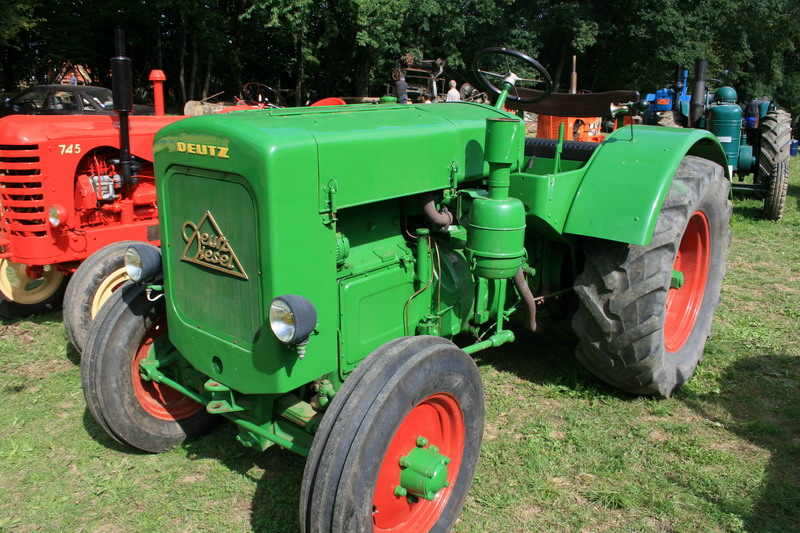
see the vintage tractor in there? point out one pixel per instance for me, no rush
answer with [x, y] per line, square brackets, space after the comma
[70, 187]
[325, 273]
[669, 106]
[756, 140]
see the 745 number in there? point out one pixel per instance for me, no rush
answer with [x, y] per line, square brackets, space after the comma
[70, 148]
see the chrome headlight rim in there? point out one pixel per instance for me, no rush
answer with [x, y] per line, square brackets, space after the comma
[142, 262]
[57, 215]
[292, 318]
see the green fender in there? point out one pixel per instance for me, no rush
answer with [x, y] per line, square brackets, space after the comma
[627, 178]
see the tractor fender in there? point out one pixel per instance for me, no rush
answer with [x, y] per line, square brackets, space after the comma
[627, 178]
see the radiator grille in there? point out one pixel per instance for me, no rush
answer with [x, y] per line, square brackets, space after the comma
[22, 209]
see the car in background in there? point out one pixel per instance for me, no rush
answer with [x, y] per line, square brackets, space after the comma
[64, 100]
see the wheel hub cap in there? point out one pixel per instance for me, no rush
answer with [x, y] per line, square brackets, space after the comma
[424, 471]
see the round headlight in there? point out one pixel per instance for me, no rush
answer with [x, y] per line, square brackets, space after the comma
[57, 215]
[133, 264]
[143, 262]
[292, 318]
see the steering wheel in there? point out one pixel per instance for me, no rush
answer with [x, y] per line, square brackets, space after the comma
[258, 93]
[497, 62]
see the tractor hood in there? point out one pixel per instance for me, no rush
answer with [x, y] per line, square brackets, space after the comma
[412, 148]
[248, 204]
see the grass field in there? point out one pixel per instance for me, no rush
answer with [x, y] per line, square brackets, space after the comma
[561, 451]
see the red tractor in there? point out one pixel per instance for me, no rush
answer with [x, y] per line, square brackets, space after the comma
[69, 187]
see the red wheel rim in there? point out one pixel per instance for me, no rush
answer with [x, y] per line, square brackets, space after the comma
[439, 419]
[683, 304]
[160, 401]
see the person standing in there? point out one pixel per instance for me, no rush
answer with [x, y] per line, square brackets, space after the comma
[401, 88]
[452, 94]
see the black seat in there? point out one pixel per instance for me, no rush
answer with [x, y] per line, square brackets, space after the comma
[572, 105]
[573, 150]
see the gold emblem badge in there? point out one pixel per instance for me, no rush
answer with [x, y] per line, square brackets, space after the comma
[207, 246]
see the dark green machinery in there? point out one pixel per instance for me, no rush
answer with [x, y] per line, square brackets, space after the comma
[756, 139]
[325, 273]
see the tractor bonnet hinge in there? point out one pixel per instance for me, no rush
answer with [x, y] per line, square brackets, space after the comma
[329, 214]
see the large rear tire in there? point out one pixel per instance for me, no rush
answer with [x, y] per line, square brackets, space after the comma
[773, 161]
[646, 311]
[138, 413]
[409, 388]
[90, 287]
[22, 295]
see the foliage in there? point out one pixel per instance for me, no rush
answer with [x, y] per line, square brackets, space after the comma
[315, 48]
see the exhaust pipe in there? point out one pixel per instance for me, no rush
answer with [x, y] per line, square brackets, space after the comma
[698, 103]
[122, 87]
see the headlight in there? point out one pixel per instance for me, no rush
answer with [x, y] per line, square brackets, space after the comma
[57, 215]
[143, 262]
[292, 318]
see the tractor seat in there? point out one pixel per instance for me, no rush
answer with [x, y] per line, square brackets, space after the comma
[573, 150]
[572, 105]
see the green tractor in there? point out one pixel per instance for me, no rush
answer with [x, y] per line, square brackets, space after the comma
[756, 139]
[325, 274]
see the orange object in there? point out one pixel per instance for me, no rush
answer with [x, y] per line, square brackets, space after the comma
[575, 128]
[332, 100]
[158, 78]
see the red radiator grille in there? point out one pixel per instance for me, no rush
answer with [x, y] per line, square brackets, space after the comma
[22, 209]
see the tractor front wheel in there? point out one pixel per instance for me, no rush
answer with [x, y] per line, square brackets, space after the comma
[133, 411]
[91, 285]
[646, 311]
[773, 161]
[23, 294]
[398, 446]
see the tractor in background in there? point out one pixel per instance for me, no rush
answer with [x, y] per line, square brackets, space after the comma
[71, 188]
[669, 106]
[756, 139]
[325, 296]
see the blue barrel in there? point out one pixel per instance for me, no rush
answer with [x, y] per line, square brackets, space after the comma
[793, 147]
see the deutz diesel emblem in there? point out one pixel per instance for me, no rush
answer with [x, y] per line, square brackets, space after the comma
[208, 246]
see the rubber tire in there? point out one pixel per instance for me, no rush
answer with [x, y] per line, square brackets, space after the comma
[106, 376]
[623, 290]
[12, 310]
[339, 479]
[670, 119]
[773, 161]
[83, 287]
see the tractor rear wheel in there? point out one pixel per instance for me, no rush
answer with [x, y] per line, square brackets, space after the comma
[139, 413]
[670, 119]
[646, 311]
[773, 161]
[22, 294]
[399, 443]
[91, 285]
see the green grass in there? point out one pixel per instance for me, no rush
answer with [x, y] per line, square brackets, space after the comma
[562, 452]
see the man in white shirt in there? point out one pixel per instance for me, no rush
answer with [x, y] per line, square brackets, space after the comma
[452, 94]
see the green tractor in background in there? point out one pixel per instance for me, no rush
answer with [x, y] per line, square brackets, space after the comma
[756, 140]
[325, 274]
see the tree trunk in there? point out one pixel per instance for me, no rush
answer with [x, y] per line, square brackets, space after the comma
[159, 47]
[207, 82]
[234, 59]
[298, 87]
[363, 66]
[5, 67]
[193, 71]
[560, 67]
[182, 61]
